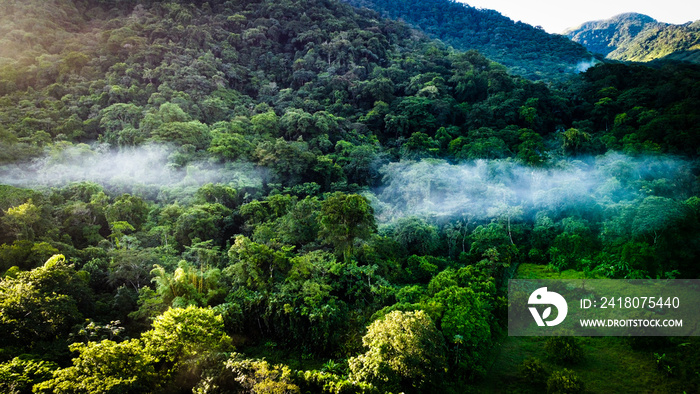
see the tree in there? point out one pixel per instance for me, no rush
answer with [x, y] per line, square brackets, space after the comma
[21, 373]
[565, 381]
[183, 333]
[406, 352]
[201, 222]
[43, 304]
[192, 133]
[575, 141]
[254, 265]
[464, 319]
[104, 367]
[183, 342]
[118, 117]
[415, 235]
[22, 219]
[345, 218]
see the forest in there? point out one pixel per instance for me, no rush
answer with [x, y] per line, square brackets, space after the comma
[525, 50]
[299, 196]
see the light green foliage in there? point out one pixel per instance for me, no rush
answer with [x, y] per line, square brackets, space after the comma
[259, 376]
[228, 144]
[188, 285]
[104, 367]
[22, 219]
[192, 133]
[463, 314]
[21, 373]
[533, 372]
[405, 352]
[181, 334]
[43, 304]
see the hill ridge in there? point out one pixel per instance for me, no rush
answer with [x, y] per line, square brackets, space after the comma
[524, 49]
[638, 37]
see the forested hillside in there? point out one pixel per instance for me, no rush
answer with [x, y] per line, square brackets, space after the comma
[299, 196]
[639, 38]
[525, 50]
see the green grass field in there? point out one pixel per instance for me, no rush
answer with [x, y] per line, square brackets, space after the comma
[610, 365]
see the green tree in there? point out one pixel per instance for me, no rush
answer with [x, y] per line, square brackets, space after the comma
[345, 218]
[415, 235]
[192, 133]
[464, 319]
[104, 367]
[22, 220]
[21, 373]
[43, 304]
[406, 352]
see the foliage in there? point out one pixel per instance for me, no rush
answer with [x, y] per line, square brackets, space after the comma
[405, 352]
[21, 373]
[104, 367]
[194, 175]
[564, 381]
[43, 304]
[639, 38]
[564, 350]
[533, 372]
[345, 218]
[516, 45]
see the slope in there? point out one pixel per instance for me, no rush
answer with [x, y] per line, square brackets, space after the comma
[524, 49]
[637, 37]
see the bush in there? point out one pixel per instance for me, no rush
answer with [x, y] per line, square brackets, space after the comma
[564, 350]
[564, 382]
[533, 371]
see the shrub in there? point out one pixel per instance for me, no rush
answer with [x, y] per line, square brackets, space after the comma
[564, 382]
[564, 350]
[533, 371]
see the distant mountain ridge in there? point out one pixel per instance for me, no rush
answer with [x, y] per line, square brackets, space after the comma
[638, 37]
[526, 50]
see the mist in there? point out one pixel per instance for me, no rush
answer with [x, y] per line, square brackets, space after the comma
[143, 170]
[486, 189]
[584, 65]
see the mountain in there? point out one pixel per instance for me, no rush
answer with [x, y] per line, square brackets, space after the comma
[526, 50]
[637, 37]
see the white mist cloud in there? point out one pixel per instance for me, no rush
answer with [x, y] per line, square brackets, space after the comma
[485, 189]
[146, 168]
[584, 65]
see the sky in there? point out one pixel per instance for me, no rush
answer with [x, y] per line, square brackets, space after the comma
[555, 16]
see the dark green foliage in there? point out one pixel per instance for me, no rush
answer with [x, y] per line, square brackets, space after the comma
[533, 372]
[526, 50]
[564, 350]
[564, 382]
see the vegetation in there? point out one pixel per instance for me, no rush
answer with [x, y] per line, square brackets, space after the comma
[525, 50]
[299, 196]
[639, 38]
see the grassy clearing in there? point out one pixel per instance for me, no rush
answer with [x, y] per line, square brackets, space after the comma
[610, 364]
